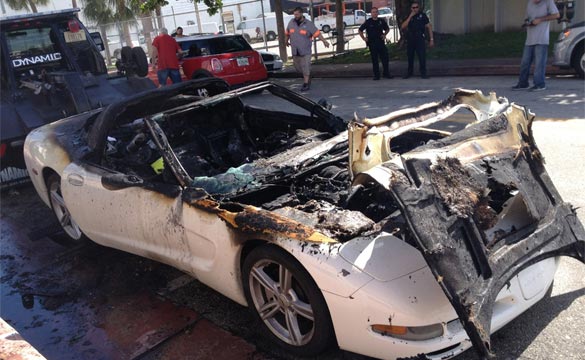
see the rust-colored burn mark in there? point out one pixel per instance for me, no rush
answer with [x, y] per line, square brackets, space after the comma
[250, 219]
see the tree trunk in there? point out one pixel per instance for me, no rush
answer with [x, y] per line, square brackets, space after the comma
[104, 33]
[147, 29]
[33, 6]
[280, 30]
[339, 26]
[159, 19]
[126, 32]
[74, 4]
[402, 12]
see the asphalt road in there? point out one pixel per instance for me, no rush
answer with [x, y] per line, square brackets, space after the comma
[92, 292]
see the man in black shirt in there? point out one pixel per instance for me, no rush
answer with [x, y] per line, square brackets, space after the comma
[416, 26]
[376, 30]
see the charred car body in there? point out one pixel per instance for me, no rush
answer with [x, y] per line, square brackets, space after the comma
[383, 236]
[52, 68]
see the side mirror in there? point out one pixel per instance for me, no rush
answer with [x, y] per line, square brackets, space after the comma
[98, 41]
[324, 103]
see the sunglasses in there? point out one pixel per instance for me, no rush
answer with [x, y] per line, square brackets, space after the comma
[414, 7]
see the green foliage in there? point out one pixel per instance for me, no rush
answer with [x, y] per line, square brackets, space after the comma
[28, 5]
[213, 6]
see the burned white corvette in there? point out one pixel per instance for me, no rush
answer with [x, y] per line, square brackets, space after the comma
[381, 236]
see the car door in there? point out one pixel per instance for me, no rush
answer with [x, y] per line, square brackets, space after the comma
[124, 212]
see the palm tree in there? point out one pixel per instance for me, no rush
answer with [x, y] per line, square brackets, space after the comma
[28, 5]
[108, 13]
[99, 12]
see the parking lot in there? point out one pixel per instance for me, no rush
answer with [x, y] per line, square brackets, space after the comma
[93, 302]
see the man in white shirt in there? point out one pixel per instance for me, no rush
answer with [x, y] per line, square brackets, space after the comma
[539, 13]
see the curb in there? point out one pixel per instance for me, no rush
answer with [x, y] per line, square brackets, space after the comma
[400, 68]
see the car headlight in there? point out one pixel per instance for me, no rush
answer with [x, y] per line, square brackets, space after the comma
[415, 333]
[276, 57]
[565, 34]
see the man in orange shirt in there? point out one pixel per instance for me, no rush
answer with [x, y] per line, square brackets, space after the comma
[167, 49]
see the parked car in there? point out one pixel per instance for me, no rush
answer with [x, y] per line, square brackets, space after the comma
[254, 28]
[385, 13]
[569, 50]
[272, 61]
[383, 236]
[327, 22]
[52, 68]
[228, 57]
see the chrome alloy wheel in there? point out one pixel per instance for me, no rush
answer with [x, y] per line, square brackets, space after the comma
[60, 209]
[281, 302]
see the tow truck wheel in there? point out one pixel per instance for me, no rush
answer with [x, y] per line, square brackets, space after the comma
[140, 61]
[126, 54]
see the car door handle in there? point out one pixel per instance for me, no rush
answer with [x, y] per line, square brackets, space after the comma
[75, 179]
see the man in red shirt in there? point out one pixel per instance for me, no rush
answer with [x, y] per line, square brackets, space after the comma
[167, 49]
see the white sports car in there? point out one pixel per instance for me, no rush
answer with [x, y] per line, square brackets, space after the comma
[381, 236]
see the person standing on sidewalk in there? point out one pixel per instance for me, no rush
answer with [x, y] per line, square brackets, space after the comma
[300, 33]
[539, 13]
[167, 62]
[416, 26]
[376, 31]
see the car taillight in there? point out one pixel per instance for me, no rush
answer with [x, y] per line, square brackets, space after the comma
[2, 150]
[73, 25]
[216, 65]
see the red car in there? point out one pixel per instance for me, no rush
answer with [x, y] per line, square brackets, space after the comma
[228, 57]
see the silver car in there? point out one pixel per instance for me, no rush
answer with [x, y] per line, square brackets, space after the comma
[569, 48]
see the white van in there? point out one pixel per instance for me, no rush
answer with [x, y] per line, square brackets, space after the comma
[253, 28]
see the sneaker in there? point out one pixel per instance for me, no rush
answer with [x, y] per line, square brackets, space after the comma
[305, 87]
[519, 87]
[538, 88]
[388, 77]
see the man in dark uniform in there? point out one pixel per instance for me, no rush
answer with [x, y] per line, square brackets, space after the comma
[376, 30]
[416, 26]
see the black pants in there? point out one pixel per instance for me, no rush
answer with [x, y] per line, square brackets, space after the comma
[418, 46]
[378, 50]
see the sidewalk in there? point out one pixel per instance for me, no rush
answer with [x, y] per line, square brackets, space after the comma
[469, 67]
[14, 347]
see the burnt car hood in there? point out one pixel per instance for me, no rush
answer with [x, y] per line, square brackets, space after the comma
[478, 202]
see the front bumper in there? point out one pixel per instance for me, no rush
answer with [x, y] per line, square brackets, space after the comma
[417, 300]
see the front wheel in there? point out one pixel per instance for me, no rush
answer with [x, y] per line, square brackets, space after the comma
[271, 36]
[326, 28]
[286, 301]
[74, 234]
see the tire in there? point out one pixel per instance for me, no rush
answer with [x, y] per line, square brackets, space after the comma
[201, 74]
[261, 271]
[578, 59]
[140, 61]
[271, 36]
[126, 55]
[73, 234]
[326, 28]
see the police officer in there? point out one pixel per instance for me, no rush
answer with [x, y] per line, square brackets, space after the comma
[376, 30]
[416, 25]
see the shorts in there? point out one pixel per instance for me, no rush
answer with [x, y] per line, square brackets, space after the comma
[303, 64]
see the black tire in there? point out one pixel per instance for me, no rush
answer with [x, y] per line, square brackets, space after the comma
[271, 36]
[201, 74]
[326, 28]
[73, 236]
[126, 55]
[140, 61]
[314, 336]
[578, 60]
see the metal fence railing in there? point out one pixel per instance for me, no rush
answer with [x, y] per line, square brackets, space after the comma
[251, 18]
